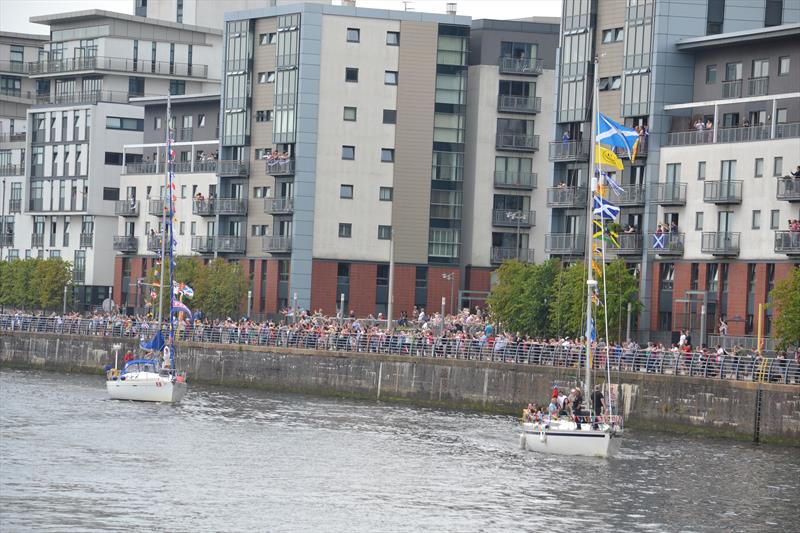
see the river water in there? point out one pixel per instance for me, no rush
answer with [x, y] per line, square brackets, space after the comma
[242, 460]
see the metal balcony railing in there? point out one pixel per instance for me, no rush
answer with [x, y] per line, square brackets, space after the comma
[633, 196]
[732, 89]
[280, 167]
[567, 197]
[185, 134]
[504, 179]
[231, 244]
[12, 170]
[230, 206]
[15, 67]
[277, 244]
[723, 192]
[515, 142]
[758, 86]
[787, 242]
[37, 240]
[668, 244]
[15, 205]
[569, 151]
[179, 167]
[203, 245]
[118, 64]
[83, 97]
[510, 218]
[503, 253]
[126, 208]
[155, 207]
[788, 189]
[7, 137]
[126, 243]
[673, 193]
[520, 65]
[519, 104]
[154, 242]
[630, 244]
[720, 243]
[87, 240]
[279, 206]
[204, 208]
[7, 239]
[233, 168]
[565, 243]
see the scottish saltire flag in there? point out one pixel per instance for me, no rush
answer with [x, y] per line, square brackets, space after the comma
[619, 191]
[180, 307]
[604, 208]
[592, 332]
[658, 241]
[614, 134]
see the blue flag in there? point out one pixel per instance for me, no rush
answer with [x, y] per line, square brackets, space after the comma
[614, 134]
[604, 208]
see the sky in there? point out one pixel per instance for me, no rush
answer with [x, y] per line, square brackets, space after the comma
[14, 14]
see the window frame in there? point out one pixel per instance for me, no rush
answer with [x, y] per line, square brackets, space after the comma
[391, 77]
[343, 188]
[348, 72]
[353, 35]
[393, 115]
[385, 197]
[775, 219]
[781, 59]
[711, 74]
[345, 230]
[387, 232]
[755, 219]
[756, 172]
[699, 220]
[397, 41]
[352, 150]
[354, 111]
[387, 152]
[776, 172]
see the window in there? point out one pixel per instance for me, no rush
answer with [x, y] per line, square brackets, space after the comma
[781, 116]
[777, 167]
[385, 194]
[714, 16]
[201, 120]
[616, 83]
[157, 123]
[390, 77]
[113, 158]
[701, 170]
[345, 230]
[122, 123]
[784, 62]
[351, 75]
[182, 230]
[711, 74]
[608, 36]
[390, 116]
[387, 155]
[259, 230]
[353, 35]
[730, 120]
[177, 87]
[184, 188]
[385, 233]
[756, 220]
[267, 38]
[393, 38]
[758, 172]
[773, 14]
[698, 221]
[348, 152]
[759, 68]
[673, 172]
[193, 228]
[261, 192]
[603, 84]
[135, 86]
[262, 153]
[350, 113]
[264, 115]
[733, 71]
[266, 77]
[111, 193]
[774, 219]
[346, 192]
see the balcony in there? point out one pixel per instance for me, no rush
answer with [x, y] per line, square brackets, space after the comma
[723, 192]
[630, 244]
[14, 67]
[83, 97]
[230, 206]
[154, 243]
[517, 143]
[633, 196]
[732, 89]
[569, 151]
[666, 244]
[787, 242]
[126, 208]
[37, 240]
[501, 253]
[15, 205]
[567, 197]
[509, 218]
[126, 243]
[87, 240]
[203, 245]
[230, 244]
[186, 134]
[670, 194]
[788, 189]
[7, 137]
[233, 168]
[204, 208]
[7, 239]
[528, 105]
[564, 243]
[758, 86]
[279, 206]
[721, 243]
[12, 170]
[520, 65]
[280, 167]
[156, 207]
[738, 134]
[277, 245]
[178, 167]
[641, 153]
[116, 64]
[515, 180]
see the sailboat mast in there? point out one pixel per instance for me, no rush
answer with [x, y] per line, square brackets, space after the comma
[163, 247]
[591, 283]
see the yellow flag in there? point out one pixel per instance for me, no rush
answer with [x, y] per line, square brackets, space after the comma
[605, 156]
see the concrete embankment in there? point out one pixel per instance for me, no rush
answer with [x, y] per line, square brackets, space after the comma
[674, 403]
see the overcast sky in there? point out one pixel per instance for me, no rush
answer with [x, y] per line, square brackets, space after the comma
[14, 14]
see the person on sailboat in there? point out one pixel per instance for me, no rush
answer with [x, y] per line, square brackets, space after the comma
[597, 404]
[577, 407]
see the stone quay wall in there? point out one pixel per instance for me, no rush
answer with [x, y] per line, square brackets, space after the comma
[713, 407]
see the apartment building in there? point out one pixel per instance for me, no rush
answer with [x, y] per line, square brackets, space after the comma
[80, 118]
[207, 13]
[509, 121]
[647, 55]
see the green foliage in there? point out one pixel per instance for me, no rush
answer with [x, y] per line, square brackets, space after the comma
[785, 298]
[219, 288]
[51, 276]
[34, 283]
[622, 288]
[567, 316]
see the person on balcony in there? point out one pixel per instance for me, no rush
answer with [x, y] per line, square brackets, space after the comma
[796, 173]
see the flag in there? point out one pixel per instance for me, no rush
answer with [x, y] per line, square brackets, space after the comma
[596, 268]
[592, 332]
[619, 191]
[610, 236]
[616, 135]
[604, 208]
[180, 307]
[658, 241]
[605, 156]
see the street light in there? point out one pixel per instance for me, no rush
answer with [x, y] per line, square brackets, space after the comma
[451, 277]
[3, 221]
[519, 216]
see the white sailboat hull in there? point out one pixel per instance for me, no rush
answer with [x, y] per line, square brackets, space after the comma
[565, 440]
[146, 387]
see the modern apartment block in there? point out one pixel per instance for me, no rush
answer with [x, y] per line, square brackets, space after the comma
[652, 56]
[79, 120]
[208, 13]
[509, 122]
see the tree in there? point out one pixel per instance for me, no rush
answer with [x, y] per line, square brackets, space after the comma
[520, 298]
[18, 284]
[219, 289]
[785, 301]
[567, 314]
[621, 288]
[51, 276]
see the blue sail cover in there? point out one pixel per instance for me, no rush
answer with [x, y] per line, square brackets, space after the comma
[156, 344]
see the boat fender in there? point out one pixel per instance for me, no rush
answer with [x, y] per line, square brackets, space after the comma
[522, 441]
[542, 436]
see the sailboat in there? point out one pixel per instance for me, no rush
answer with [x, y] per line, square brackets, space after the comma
[596, 434]
[155, 378]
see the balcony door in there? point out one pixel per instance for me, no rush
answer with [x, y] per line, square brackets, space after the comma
[724, 221]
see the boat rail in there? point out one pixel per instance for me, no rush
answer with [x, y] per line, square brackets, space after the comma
[735, 367]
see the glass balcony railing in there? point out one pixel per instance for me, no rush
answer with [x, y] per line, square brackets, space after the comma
[630, 244]
[565, 243]
[232, 244]
[519, 104]
[125, 243]
[569, 151]
[633, 196]
[517, 142]
[126, 208]
[567, 197]
[667, 244]
[117, 64]
[520, 65]
[504, 179]
[277, 244]
[721, 243]
[788, 189]
[499, 254]
[203, 245]
[723, 192]
[279, 206]
[787, 242]
[280, 167]
[510, 218]
[673, 193]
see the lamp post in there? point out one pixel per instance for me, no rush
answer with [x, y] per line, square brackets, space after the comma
[451, 277]
[249, 302]
[3, 221]
[519, 216]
